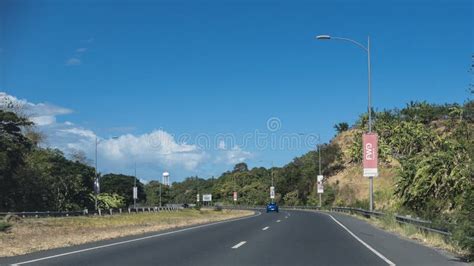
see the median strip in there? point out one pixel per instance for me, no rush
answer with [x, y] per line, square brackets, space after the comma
[239, 245]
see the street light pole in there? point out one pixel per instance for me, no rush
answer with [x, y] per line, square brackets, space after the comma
[319, 168]
[369, 73]
[135, 188]
[96, 178]
[272, 179]
[160, 194]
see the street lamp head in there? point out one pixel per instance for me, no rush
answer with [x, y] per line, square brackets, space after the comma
[323, 37]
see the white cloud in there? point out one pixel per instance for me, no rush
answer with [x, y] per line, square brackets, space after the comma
[79, 131]
[81, 50]
[232, 156]
[221, 145]
[73, 61]
[155, 147]
[43, 120]
[41, 114]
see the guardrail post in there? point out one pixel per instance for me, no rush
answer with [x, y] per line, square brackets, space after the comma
[100, 212]
[120, 210]
[111, 211]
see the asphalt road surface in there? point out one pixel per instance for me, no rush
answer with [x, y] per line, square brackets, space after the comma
[285, 238]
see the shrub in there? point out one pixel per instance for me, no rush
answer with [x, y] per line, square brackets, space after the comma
[4, 226]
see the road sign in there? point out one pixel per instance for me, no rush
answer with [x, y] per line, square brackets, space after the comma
[370, 160]
[235, 196]
[135, 193]
[272, 192]
[197, 197]
[320, 178]
[207, 197]
[320, 187]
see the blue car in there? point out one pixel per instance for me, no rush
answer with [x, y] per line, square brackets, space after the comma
[272, 207]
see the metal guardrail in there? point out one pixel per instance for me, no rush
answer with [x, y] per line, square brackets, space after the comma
[86, 212]
[419, 223]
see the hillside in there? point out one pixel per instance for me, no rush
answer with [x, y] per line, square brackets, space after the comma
[352, 187]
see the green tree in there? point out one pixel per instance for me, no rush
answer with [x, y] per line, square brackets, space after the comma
[13, 148]
[122, 185]
[341, 127]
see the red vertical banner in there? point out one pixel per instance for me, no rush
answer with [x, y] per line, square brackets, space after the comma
[370, 159]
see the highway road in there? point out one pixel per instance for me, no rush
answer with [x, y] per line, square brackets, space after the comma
[285, 238]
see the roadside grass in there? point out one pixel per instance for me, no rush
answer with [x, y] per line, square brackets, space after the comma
[30, 235]
[4, 226]
[388, 223]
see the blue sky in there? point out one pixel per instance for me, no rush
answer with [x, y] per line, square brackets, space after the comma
[172, 73]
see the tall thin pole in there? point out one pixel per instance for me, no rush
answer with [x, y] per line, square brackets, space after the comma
[369, 105]
[369, 84]
[319, 158]
[135, 188]
[160, 189]
[319, 155]
[371, 179]
[96, 178]
[272, 180]
[197, 191]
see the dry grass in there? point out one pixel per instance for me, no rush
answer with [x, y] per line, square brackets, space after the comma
[412, 232]
[31, 235]
[353, 186]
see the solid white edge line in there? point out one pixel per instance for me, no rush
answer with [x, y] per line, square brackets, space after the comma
[363, 243]
[265, 228]
[239, 245]
[134, 240]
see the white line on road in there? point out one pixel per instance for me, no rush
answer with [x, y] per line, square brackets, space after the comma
[134, 240]
[363, 243]
[278, 221]
[265, 228]
[286, 217]
[239, 245]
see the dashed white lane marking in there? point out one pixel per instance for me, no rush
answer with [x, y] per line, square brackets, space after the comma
[286, 217]
[239, 245]
[265, 228]
[278, 221]
[363, 243]
[136, 239]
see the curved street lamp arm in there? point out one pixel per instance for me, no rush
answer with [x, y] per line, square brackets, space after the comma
[352, 41]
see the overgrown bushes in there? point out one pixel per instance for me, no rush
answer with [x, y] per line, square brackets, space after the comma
[4, 226]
